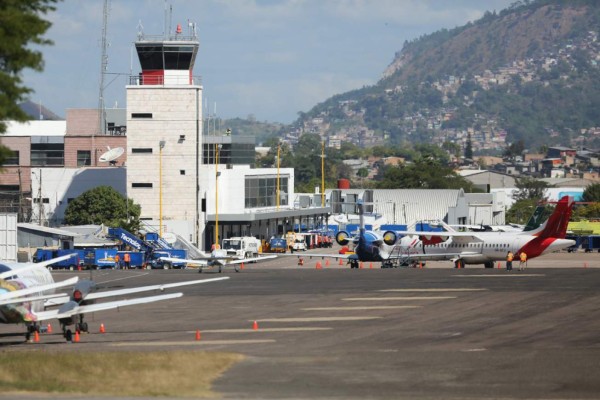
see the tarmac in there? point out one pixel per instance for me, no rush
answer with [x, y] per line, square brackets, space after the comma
[334, 333]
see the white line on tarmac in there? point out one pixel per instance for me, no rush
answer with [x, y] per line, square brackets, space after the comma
[193, 343]
[291, 329]
[434, 290]
[126, 277]
[399, 298]
[359, 308]
[317, 319]
[510, 275]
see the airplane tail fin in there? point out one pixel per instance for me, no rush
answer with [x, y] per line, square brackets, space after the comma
[556, 225]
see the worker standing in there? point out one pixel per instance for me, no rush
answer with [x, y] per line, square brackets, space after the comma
[127, 260]
[117, 260]
[523, 263]
[509, 260]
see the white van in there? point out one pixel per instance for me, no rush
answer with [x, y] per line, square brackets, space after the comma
[241, 247]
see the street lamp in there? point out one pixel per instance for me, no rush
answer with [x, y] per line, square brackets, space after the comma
[161, 145]
[217, 148]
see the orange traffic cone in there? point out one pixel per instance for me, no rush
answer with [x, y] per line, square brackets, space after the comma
[49, 329]
[327, 263]
[36, 336]
[198, 334]
[370, 265]
[255, 326]
[76, 340]
[361, 265]
[102, 330]
[421, 265]
[319, 266]
[341, 262]
[242, 266]
[499, 265]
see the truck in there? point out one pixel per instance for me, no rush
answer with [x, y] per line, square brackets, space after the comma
[295, 241]
[99, 258]
[241, 247]
[152, 247]
[277, 245]
[72, 263]
[156, 263]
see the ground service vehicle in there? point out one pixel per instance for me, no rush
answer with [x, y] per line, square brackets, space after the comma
[277, 245]
[242, 247]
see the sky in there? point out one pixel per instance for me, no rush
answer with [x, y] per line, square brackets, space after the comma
[267, 58]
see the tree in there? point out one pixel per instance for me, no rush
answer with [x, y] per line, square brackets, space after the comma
[521, 211]
[529, 188]
[592, 193]
[423, 174]
[469, 148]
[22, 27]
[103, 205]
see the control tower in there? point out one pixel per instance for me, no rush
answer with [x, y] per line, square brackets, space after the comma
[164, 123]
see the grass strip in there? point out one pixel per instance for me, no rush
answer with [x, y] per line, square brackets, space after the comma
[128, 374]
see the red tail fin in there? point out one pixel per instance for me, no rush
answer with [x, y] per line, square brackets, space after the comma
[556, 226]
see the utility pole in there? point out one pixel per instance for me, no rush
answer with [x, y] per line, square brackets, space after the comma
[103, 67]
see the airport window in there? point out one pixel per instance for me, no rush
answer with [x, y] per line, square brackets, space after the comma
[47, 154]
[13, 158]
[84, 157]
[141, 115]
[141, 185]
[262, 191]
[45, 200]
[9, 188]
[182, 172]
[142, 150]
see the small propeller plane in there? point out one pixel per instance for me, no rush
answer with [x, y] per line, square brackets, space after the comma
[393, 248]
[218, 258]
[27, 295]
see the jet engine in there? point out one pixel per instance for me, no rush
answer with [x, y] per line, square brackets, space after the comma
[390, 238]
[342, 238]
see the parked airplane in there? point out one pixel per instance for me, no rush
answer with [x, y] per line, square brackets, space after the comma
[218, 258]
[394, 248]
[27, 296]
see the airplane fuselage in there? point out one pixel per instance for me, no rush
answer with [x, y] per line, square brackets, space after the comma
[23, 312]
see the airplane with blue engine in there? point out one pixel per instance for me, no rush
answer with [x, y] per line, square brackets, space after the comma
[409, 248]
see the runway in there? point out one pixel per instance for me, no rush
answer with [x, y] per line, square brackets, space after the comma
[336, 333]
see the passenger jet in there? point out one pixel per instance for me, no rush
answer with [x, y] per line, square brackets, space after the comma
[27, 295]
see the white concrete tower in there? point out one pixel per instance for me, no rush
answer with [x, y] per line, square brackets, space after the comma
[164, 133]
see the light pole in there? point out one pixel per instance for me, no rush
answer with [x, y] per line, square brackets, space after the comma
[323, 174]
[217, 148]
[278, 163]
[161, 145]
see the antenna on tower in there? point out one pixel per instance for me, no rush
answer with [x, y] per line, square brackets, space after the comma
[103, 66]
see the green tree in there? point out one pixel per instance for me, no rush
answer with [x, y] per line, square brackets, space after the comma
[469, 148]
[592, 193]
[521, 211]
[423, 174]
[103, 205]
[21, 27]
[531, 189]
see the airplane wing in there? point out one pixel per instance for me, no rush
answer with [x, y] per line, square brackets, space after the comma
[311, 255]
[122, 292]
[459, 237]
[425, 256]
[16, 294]
[243, 260]
[33, 298]
[226, 260]
[16, 268]
[85, 309]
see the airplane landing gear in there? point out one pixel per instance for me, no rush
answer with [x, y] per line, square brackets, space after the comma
[353, 264]
[31, 329]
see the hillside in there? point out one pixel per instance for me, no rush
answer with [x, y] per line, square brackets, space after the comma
[530, 73]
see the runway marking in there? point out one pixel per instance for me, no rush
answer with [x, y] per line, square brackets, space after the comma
[358, 308]
[434, 290]
[511, 275]
[474, 350]
[399, 298]
[291, 329]
[316, 319]
[125, 277]
[193, 343]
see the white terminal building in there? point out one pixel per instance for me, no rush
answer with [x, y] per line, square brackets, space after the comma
[184, 180]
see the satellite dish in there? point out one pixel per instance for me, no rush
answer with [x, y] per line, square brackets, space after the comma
[111, 155]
